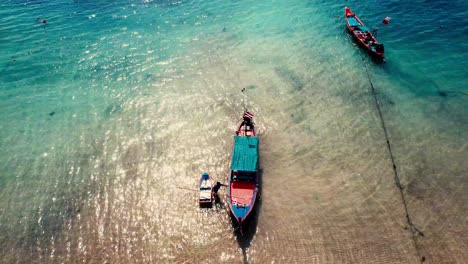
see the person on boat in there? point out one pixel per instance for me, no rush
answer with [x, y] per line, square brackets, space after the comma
[234, 175]
[368, 37]
[247, 119]
[246, 124]
[217, 186]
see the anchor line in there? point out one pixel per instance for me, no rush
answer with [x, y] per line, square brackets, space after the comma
[414, 230]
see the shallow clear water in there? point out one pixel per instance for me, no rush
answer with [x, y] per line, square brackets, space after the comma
[111, 110]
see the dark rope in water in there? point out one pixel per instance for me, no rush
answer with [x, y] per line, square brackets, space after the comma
[414, 231]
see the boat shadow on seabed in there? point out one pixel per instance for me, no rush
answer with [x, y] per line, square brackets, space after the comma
[245, 233]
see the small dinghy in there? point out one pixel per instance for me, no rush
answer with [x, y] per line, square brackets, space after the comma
[205, 199]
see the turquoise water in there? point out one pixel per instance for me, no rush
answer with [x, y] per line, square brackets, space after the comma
[110, 107]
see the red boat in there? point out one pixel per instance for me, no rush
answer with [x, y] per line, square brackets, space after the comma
[363, 34]
[243, 181]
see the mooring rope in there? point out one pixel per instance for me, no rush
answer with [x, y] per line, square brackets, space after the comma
[414, 231]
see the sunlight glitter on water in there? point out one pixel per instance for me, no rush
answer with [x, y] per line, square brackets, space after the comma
[107, 117]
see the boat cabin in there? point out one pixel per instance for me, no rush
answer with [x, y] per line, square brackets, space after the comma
[243, 178]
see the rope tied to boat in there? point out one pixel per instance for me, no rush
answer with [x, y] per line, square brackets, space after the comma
[414, 230]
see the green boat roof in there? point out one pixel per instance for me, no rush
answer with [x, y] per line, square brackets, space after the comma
[353, 22]
[245, 154]
[364, 28]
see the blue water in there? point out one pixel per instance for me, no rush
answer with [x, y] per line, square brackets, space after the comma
[110, 106]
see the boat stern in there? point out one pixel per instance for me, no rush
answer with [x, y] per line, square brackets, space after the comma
[242, 197]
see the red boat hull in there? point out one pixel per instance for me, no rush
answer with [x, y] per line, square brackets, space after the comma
[242, 195]
[362, 34]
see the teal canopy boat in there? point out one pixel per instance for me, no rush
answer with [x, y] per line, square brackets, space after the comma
[243, 182]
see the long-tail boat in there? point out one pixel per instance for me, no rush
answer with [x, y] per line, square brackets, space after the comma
[243, 181]
[363, 34]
